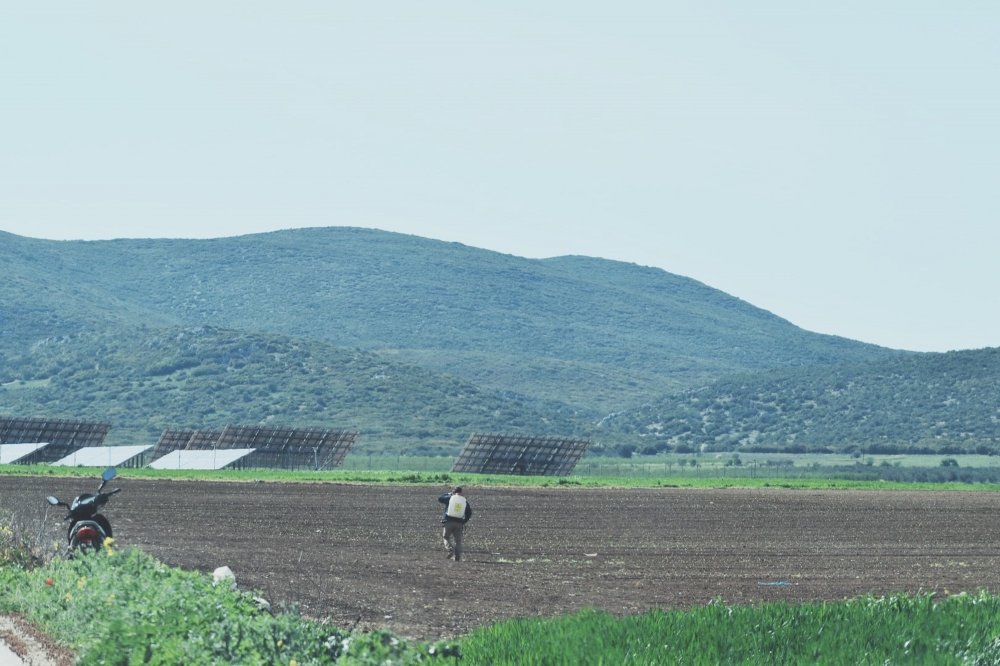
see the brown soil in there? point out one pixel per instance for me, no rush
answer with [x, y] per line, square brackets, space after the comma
[371, 556]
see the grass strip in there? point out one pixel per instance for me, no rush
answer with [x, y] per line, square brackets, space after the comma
[960, 629]
[403, 477]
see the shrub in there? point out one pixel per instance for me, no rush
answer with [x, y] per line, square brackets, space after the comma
[21, 547]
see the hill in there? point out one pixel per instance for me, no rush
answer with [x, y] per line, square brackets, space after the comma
[928, 403]
[446, 305]
[560, 342]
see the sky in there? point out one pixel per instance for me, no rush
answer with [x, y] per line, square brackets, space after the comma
[836, 163]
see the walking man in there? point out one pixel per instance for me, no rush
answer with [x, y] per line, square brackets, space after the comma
[456, 514]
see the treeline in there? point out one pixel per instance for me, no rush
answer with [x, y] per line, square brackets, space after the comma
[630, 450]
[946, 473]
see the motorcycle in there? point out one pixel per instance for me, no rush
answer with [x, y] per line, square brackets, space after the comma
[88, 528]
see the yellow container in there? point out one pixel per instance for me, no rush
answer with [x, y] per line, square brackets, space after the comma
[456, 507]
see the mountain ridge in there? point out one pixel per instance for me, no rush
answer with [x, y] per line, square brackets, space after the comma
[564, 341]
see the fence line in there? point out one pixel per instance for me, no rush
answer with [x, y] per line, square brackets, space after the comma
[400, 463]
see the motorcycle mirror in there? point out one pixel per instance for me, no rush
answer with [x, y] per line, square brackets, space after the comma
[52, 500]
[109, 474]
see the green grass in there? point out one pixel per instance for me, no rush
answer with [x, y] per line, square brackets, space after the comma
[615, 477]
[962, 629]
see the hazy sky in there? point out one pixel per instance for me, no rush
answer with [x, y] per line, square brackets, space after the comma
[835, 163]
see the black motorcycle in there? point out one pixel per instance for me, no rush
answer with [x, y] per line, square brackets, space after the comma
[87, 528]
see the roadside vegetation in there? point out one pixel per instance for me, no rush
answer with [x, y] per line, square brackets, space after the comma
[114, 607]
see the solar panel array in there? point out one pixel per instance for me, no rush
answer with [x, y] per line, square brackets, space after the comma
[12, 453]
[287, 448]
[62, 436]
[520, 454]
[184, 440]
[290, 447]
[105, 456]
[204, 459]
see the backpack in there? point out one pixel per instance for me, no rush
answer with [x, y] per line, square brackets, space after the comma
[456, 507]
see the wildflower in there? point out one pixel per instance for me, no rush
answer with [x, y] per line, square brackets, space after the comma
[293, 663]
[108, 541]
[69, 597]
[49, 582]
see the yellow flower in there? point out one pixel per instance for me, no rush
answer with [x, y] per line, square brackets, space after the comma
[293, 663]
[69, 596]
[108, 541]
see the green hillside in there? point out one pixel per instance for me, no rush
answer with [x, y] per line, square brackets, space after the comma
[416, 343]
[927, 403]
[597, 333]
[144, 381]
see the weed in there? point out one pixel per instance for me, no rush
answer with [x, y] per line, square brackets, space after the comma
[20, 545]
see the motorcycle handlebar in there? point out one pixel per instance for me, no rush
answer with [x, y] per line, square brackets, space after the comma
[102, 498]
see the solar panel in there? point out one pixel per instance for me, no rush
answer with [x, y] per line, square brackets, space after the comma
[290, 448]
[12, 453]
[171, 440]
[284, 448]
[105, 456]
[203, 440]
[202, 459]
[178, 440]
[520, 454]
[63, 436]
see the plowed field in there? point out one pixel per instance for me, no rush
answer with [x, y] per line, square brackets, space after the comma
[371, 556]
